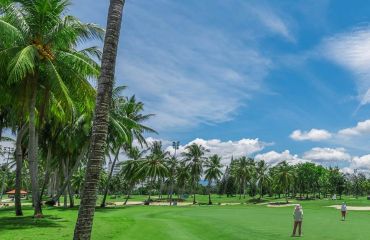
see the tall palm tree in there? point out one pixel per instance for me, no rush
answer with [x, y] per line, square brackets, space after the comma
[284, 176]
[263, 177]
[242, 171]
[125, 124]
[213, 172]
[172, 166]
[194, 159]
[38, 52]
[101, 120]
[154, 166]
[182, 177]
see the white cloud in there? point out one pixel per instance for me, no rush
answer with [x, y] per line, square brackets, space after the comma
[360, 129]
[352, 50]
[312, 135]
[274, 157]
[226, 149]
[361, 163]
[327, 155]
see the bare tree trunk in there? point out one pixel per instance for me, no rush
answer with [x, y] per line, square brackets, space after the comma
[32, 152]
[47, 170]
[209, 194]
[109, 178]
[100, 125]
[18, 171]
[128, 193]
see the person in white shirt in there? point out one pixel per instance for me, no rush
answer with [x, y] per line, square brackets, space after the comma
[298, 218]
[343, 209]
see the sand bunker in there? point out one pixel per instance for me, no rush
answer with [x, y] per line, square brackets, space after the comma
[352, 208]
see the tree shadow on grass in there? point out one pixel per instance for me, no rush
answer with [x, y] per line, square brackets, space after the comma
[97, 209]
[14, 223]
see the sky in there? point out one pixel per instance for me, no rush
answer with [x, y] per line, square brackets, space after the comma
[275, 80]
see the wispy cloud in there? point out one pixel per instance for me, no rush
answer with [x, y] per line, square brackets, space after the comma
[189, 71]
[272, 21]
[351, 50]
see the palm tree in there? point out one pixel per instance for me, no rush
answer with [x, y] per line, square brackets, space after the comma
[242, 171]
[38, 53]
[284, 176]
[130, 168]
[263, 177]
[101, 121]
[194, 159]
[172, 166]
[213, 172]
[125, 124]
[182, 177]
[154, 166]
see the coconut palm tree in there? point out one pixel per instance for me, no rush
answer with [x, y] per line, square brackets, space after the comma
[284, 176]
[125, 124]
[101, 121]
[154, 166]
[194, 159]
[182, 177]
[172, 166]
[130, 168]
[213, 172]
[242, 170]
[38, 52]
[263, 177]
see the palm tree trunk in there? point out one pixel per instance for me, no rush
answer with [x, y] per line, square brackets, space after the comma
[171, 191]
[109, 178]
[194, 202]
[47, 171]
[209, 194]
[18, 171]
[71, 195]
[128, 194]
[32, 152]
[100, 126]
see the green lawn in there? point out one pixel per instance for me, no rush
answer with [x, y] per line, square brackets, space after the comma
[246, 221]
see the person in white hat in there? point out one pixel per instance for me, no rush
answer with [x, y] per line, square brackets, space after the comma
[343, 209]
[298, 218]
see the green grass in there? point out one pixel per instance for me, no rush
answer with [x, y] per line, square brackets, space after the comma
[247, 221]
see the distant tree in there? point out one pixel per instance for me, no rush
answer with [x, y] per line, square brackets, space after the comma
[213, 172]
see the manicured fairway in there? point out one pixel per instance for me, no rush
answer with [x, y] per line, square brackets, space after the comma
[195, 222]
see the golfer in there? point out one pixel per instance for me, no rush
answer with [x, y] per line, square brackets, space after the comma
[298, 218]
[343, 209]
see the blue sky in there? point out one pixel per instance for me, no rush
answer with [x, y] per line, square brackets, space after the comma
[271, 79]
